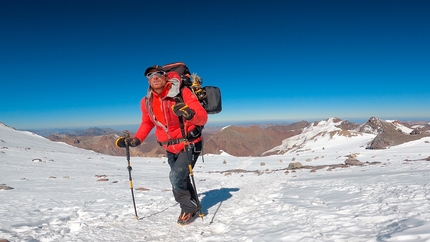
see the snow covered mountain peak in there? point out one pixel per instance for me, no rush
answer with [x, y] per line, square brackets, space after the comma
[375, 126]
[317, 134]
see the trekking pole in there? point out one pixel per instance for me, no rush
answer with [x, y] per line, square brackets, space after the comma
[127, 150]
[190, 167]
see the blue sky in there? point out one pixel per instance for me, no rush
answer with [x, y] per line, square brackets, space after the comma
[80, 63]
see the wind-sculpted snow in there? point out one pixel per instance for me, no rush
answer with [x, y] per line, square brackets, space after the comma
[61, 193]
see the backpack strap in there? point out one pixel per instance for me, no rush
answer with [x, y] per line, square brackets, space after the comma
[193, 134]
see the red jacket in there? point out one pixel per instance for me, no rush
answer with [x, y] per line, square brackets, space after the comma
[172, 130]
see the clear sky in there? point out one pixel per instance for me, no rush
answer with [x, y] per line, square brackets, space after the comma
[80, 63]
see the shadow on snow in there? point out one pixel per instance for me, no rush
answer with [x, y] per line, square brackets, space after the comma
[213, 197]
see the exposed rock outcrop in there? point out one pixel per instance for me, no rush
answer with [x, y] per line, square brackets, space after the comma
[388, 134]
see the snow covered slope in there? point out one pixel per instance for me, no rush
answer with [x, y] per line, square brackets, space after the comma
[61, 193]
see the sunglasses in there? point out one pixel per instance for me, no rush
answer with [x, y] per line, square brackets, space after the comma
[152, 74]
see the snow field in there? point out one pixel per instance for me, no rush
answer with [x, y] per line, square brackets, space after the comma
[61, 194]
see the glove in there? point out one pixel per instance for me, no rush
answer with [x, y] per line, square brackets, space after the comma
[132, 142]
[182, 109]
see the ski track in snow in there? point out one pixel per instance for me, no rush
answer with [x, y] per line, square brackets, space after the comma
[57, 197]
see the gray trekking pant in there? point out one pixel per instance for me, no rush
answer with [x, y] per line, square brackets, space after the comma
[183, 190]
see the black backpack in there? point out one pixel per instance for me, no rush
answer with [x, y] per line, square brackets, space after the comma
[209, 96]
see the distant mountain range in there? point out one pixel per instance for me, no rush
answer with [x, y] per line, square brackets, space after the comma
[262, 140]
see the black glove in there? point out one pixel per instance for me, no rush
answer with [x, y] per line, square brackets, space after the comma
[182, 109]
[132, 142]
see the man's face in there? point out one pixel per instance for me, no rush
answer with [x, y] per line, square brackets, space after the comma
[157, 80]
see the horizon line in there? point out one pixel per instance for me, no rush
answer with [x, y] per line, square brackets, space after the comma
[230, 122]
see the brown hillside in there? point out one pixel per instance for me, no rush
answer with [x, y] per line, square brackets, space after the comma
[251, 141]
